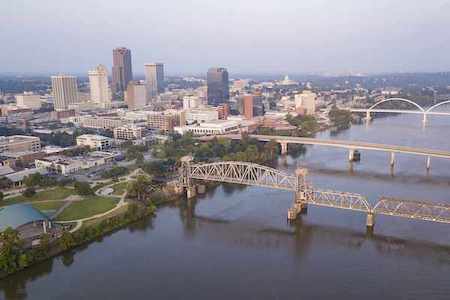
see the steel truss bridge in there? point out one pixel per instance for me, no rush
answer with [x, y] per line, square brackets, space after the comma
[305, 194]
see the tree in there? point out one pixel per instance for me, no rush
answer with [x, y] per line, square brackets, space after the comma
[139, 188]
[1, 196]
[10, 250]
[29, 192]
[67, 240]
[83, 188]
[33, 180]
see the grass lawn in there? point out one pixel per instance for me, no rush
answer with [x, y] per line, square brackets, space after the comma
[96, 221]
[51, 205]
[120, 188]
[58, 193]
[88, 207]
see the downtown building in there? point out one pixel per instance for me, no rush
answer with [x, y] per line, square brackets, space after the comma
[100, 91]
[136, 95]
[218, 86]
[122, 72]
[252, 106]
[65, 91]
[154, 79]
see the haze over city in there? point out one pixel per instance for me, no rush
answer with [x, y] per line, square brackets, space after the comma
[254, 36]
[252, 149]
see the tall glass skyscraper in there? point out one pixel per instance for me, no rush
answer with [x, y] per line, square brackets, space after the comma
[218, 88]
[121, 70]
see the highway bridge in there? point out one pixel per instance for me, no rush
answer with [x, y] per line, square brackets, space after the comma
[417, 109]
[352, 146]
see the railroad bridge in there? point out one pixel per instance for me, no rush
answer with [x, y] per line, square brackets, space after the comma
[304, 193]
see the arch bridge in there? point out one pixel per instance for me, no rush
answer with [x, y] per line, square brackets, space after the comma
[257, 175]
[425, 112]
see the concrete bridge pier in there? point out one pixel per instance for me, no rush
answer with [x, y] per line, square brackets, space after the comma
[368, 116]
[284, 148]
[370, 221]
[191, 192]
[351, 155]
[428, 163]
[300, 206]
[392, 161]
[425, 119]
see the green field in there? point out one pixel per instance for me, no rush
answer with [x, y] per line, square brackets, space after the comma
[120, 188]
[58, 193]
[51, 205]
[88, 207]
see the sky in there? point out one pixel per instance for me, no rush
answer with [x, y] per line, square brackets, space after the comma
[245, 36]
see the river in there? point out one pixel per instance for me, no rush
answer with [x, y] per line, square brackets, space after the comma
[235, 243]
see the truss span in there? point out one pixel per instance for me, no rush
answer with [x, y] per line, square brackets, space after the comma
[413, 210]
[342, 200]
[244, 173]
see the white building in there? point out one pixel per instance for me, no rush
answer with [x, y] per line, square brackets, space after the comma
[154, 79]
[200, 115]
[28, 100]
[211, 128]
[100, 91]
[67, 165]
[94, 141]
[128, 132]
[306, 101]
[190, 102]
[65, 91]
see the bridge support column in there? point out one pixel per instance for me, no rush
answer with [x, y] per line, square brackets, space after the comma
[425, 119]
[300, 205]
[368, 116]
[351, 155]
[370, 222]
[191, 192]
[392, 160]
[428, 163]
[284, 148]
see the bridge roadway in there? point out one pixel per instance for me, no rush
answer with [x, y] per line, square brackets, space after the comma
[351, 145]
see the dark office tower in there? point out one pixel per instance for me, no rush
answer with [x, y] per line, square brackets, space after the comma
[121, 70]
[218, 89]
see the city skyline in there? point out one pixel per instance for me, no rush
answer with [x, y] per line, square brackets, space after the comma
[296, 38]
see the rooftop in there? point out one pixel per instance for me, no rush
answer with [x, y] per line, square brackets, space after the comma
[19, 214]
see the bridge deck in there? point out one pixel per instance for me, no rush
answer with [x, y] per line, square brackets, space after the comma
[356, 145]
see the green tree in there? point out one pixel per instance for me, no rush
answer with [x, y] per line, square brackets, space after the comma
[1, 196]
[83, 188]
[67, 240]
[10, 250]
[29, 192]
[33, 180]
[139, 188]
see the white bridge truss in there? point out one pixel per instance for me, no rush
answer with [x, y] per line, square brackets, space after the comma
[244, 173]
[257, 175]
[413, 210]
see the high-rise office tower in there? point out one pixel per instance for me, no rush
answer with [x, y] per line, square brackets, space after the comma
[218, 87]
[121, 70]
[154, 79]
[252, 106]
[65, 91]
[98, 81]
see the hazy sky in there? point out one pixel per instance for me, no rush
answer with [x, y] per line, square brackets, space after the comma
[246, 36]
